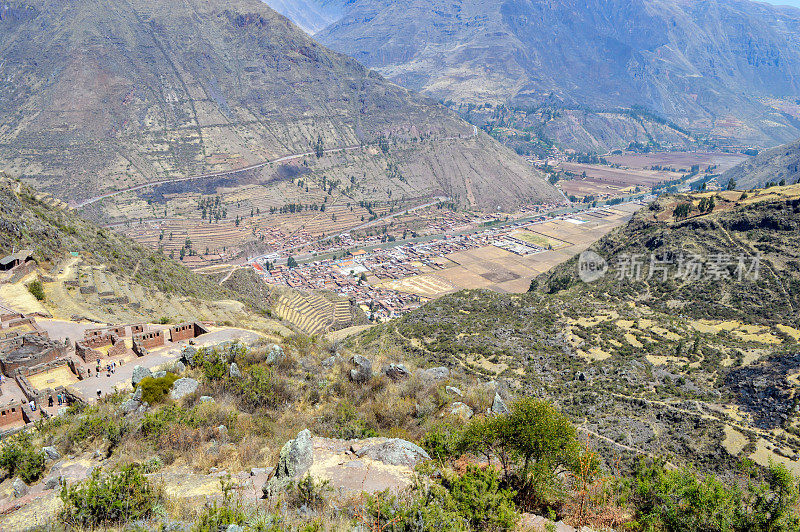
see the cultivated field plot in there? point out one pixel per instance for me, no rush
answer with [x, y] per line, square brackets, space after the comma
[538, 239]
[496, 269]
[427, 285]
[679, 161]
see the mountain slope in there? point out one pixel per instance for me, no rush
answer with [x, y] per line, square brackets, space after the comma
[311, 15]
[771, 166]
[730, 69]
[106, 96]
[674, 367]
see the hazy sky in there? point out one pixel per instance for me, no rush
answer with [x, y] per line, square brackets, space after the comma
[795, 3]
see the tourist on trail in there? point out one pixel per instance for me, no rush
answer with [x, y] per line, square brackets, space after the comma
[59, 400]
[50, 401]
[99, 393]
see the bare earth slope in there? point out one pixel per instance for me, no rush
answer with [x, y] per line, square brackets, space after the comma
[101, 96]
[772, 166]
[725, 68]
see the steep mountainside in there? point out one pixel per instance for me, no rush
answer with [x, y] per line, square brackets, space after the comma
[771, 166]
[673, 360]
[729, 69]
[100, 95]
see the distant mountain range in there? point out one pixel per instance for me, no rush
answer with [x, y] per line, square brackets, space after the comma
[726, 69]
[100, 96]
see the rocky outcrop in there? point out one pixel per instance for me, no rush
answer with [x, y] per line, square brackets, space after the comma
[296, 458]
[139, 373]
[395, 452]
[499, 406]
[363, 370]
[183, 387]
[461, 410]
[397, 372]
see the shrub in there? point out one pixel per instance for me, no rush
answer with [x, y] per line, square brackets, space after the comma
[36, 289]
[155, 390]
[534, 443]
[19, 458]
[308, 492]
[479, 499]
[218, 516]
[441, 441]
[107, 499]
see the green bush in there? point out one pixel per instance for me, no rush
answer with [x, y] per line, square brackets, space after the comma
[534, 444]
[308, 492]
[36, 289]
[108, 499]
[480, 500]
[19, 458]
[677, 500]
[441, 441]
[217, 516]
[155, 390]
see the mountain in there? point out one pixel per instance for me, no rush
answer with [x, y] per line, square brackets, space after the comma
[676, 365]
[101, 96]
[770, 166]
[728, 69]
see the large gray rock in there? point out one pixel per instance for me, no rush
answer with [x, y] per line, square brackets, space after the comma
[187, 355]
[20, 488]
[160, 374]
[51, 453]
[275, 354]
[395, 452]
[397, 372]
[296, 458]
[234, 371]
[498, 405]
[184, 387]
[52, 482]
[137, 395]
[139, 373]
[130, 406]
[206, 399]
[461, 410]
[362, 371]
[436, 374]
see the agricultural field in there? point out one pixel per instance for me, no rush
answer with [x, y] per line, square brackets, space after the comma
[630, 173]
[497, 269]
[313, 313]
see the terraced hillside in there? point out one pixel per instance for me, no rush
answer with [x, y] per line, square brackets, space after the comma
[88, 272]
[101, 97]
[314, 314]
[691, 354]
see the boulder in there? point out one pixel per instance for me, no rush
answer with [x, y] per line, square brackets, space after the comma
[206, 399]
[183, 387]
[20, 488]
[330, 361]
[139, 373]
[52, 482]
[498, 405]
[137, 395]
[179, 367]
[453, 391]
[275, 354]
[296, 458]
[159, 374]
[461, 410]
[362, 371]
[437, 374]
[395, 452]
[51, 453]
[234, 371]
[187, 355]
[397, 372]
[130, 406]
